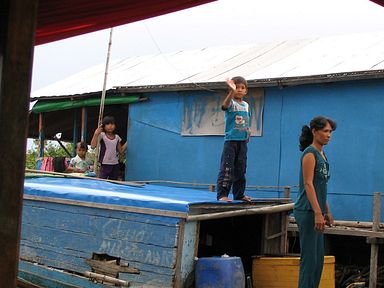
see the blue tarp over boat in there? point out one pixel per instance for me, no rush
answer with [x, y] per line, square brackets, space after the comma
[146, 196]
[68, 223]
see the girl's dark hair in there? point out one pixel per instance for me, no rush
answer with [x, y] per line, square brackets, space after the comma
[317, 123]
[108, 120]
[240, 80]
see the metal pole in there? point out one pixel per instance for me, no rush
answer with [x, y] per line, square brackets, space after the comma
[375, 246]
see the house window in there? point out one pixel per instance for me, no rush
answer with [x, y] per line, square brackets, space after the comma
[203, 114]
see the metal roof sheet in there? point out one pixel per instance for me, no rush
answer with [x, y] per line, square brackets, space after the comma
[276, 60]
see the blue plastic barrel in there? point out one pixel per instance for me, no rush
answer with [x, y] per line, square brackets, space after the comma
[219, 272]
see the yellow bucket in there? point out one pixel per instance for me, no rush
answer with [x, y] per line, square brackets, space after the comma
[283, 272]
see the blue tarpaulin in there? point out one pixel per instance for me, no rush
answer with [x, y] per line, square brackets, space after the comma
[95, 191]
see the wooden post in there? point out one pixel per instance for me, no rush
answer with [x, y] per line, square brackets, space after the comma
[375, 246]
[17, 34]
[75, 136]
[287, 192]
[84, 119]
[41, 135]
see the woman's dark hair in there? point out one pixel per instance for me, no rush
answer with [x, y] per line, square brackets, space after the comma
[108, 120]
[317, 123]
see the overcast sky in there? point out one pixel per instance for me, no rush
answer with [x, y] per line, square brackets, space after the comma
[224, 22]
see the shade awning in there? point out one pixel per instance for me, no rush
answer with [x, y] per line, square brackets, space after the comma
[49, 106]
[59, 19]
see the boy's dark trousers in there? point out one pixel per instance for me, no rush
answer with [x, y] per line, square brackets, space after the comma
[232, 170]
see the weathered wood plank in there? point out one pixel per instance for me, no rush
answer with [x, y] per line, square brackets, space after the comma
[189, 251]
[108, 268]
[342, 230]
[70, 259]
[95, 226]
[148, 273]
[148, 280]
[137, 217]
[112, 207]
[132, 251]
[52, 259]
[53, 278]
[64, 236]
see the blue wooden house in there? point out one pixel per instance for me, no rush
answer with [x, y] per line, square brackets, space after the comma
[175, 128]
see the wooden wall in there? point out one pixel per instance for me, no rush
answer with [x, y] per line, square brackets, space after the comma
[64, 236]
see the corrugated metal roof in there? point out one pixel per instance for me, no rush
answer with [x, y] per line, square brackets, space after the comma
[336, 57]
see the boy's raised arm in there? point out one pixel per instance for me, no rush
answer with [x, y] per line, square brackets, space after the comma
[227, 100]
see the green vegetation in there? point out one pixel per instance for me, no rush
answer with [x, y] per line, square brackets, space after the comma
[51, 148]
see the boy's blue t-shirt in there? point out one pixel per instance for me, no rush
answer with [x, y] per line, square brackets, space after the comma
[237, 121]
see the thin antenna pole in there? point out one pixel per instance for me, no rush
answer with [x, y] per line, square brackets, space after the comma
[102, 101]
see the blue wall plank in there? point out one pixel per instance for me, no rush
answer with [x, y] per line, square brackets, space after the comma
[105, 213]
[52, 278]
[101, 243]
[75, 261]
[64, 236]
[103, 227]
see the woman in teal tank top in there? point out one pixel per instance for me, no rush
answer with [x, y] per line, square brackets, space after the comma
[311, 210]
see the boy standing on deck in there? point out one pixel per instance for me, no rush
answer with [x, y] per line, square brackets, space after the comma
[237, 132]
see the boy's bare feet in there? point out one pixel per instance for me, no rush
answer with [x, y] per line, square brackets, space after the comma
[226, 199]
[246, 199]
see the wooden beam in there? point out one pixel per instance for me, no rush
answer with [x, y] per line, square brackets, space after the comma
[375, 247]
[345, 231]
[21, 283]
[177, 280]
[84, 119]
[131, 209]
[249, 211]
[17, 33]
[75, 137]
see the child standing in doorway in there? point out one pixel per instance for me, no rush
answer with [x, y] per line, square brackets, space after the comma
[110, 148]
[237, 132]
[80, 164]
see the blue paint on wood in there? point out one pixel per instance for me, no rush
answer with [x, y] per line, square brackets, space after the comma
[65, 259]
[100, 242]
[64, 236]
[53, 278]
[189, 251]
[92, 212]
[103, 227]
[148, 279]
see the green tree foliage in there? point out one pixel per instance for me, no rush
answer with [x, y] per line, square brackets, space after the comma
[51, 148]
